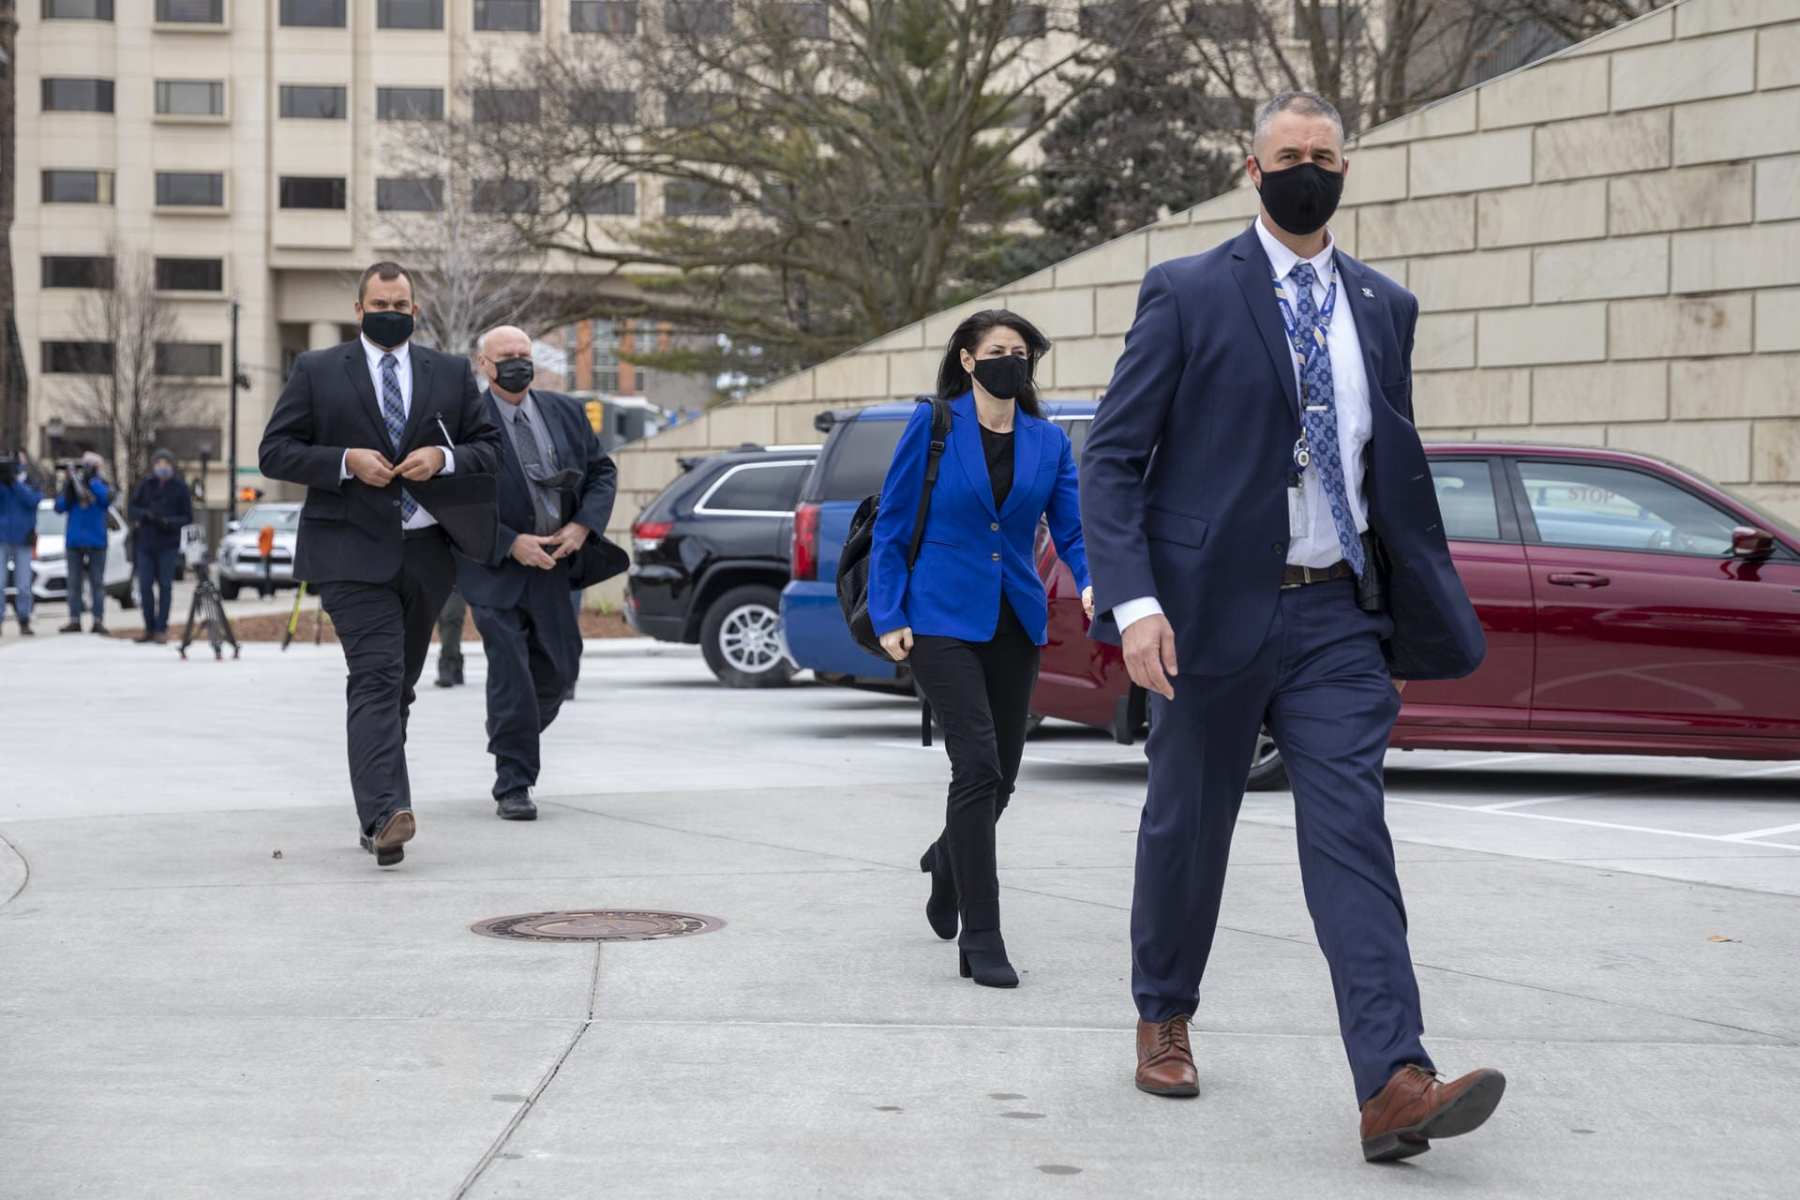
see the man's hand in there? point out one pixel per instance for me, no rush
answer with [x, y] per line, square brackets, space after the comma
[370, 466]
[528, 551]
[1087, 601]
[898, 644]
[567, 540]
[1150, 654]
[421, 464]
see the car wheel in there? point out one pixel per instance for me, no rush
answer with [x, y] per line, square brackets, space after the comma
[741, 639]
[228, 588]
[1267, 772]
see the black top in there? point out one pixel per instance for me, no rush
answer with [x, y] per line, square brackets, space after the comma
[999, 450]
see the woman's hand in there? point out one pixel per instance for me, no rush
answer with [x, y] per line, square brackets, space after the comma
[898, 644]
[1087, 601]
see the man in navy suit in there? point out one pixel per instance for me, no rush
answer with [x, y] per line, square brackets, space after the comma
[556, 489]
[1260, 518]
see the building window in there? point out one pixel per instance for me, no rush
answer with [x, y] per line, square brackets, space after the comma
[504, 196]
[1224, 21]
[190, 12]
[507, 16]
[698, 18]
[617, 17]
[322, 14]
[312, 191]
[1332, 22]
[190, 274]
[605, 199]
[691, 198]
[78, 10]
[409, 14]
[605, 362]
[504, 106]
[77, 358]
[78, 187]
[77, 271]
[190, 98]
[695, 108]
[310, 102]
[190, 189]
[1026, 21]
[409, 104]
[1026, 111]
[810, 21]
[604, 108]
[78, 95]
[409, 195]
[201, 359]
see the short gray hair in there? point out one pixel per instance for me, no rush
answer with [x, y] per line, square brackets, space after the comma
[1307, 104]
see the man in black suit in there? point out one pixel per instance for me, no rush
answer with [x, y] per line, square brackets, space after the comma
[1260, 517]
[397, 454]
[556, 489]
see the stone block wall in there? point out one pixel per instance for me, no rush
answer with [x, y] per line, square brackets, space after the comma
[1605, 246]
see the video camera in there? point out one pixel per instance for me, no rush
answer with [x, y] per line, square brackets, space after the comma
[73, 477]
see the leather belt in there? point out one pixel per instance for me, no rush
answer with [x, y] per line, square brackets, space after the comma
[1293, 577]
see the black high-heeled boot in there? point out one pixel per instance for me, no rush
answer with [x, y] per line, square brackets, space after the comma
[985, 962]
[940, 909]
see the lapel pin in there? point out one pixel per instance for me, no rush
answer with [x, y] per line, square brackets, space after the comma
[1368, 293]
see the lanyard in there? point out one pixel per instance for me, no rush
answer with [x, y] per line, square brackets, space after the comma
[1302, 453]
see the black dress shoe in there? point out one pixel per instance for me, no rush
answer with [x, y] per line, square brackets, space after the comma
[516, 806]
[388, 844]
[940, 909]
[71, 627]
[144, 638]
[100, 630]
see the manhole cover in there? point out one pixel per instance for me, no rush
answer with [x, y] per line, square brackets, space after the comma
[596, 925]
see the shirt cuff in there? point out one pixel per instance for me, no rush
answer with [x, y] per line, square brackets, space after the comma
[1133, 611]
[449, 460]
[344, 467]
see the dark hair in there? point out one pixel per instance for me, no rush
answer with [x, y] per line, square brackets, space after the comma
[385, 271]
[953, 380]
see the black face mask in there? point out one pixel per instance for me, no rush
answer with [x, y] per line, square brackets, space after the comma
[1005, 377]
[387, 329]
[513, 375]
[1302, 197]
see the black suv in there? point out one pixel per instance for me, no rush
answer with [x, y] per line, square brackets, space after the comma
[710, 556]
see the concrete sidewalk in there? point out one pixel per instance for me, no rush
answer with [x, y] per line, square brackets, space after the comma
[210, 991]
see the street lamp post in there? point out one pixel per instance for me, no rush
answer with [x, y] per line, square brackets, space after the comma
[231, 461]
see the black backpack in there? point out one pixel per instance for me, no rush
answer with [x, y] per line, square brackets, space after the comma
[853, 562]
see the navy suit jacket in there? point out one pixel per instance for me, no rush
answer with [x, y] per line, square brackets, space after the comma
[499, 581]
[971, 555]
[1185, 471]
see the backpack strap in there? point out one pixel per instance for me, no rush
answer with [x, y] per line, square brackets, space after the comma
[940, 436]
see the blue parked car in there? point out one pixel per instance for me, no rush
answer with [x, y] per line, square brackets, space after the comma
[859, 446]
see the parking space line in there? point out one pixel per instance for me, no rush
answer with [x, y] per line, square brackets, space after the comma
[1762, 833]
[1666, 785]
[1730, 840]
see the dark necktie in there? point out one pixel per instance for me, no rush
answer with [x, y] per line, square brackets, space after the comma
[393, 415]
[1320, 414]
[525, 443]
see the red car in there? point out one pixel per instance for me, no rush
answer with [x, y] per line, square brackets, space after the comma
[1630, 607]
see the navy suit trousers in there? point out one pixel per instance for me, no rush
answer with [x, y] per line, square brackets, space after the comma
[533, 658]
[1320, 684]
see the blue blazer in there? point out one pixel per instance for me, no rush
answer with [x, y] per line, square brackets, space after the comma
[500, 582]
[971, 556]
[1184, 474]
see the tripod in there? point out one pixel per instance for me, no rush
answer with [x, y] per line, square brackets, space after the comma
[209, 609]
[293, 625]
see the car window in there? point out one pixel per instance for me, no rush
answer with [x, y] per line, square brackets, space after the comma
[1580, 504]
[280, 518]
[112, 521]
[1465, 496]
[1077, 429]
[856, 459]
[756, 488]
[50, 523]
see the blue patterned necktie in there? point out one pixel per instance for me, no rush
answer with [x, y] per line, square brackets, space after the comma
[1319, 413]
[393, 415]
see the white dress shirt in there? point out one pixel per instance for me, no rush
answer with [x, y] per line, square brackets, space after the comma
[1316, 544]
[403, 372]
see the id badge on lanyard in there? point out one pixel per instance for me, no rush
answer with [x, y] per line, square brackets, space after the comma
[1299, 513]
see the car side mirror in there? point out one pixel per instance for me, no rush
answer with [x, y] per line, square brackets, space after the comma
[1749, 542]
[233, 526]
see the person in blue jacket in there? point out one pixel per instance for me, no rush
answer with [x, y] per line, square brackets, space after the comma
[18, 522]
[971, 613]
[84, 496]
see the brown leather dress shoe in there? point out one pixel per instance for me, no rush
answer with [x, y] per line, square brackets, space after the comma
[1165, 1061]
[1414, 1107]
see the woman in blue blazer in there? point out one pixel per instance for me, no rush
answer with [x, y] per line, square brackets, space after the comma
[971, 613]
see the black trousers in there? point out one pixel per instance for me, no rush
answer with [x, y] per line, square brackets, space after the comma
[449, 630]
[385, 629]
[533, 658]
[981, 692]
